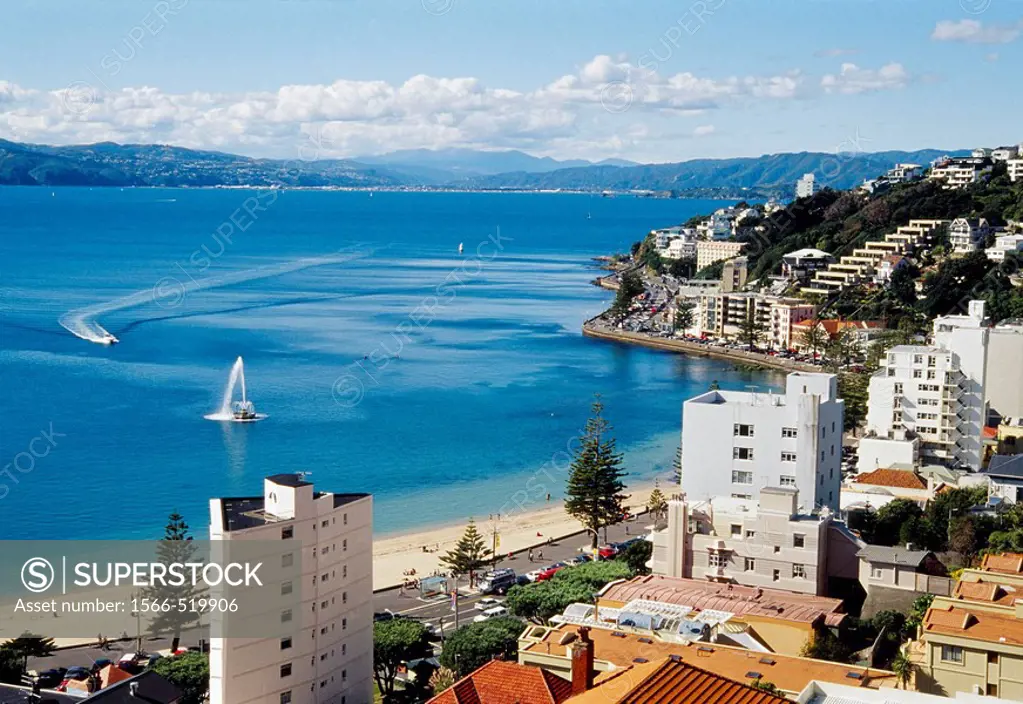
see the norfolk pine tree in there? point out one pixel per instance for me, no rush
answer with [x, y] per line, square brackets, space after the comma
[470, 553]
[594, 494]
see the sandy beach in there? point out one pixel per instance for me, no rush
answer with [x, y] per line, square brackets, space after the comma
[393, 555]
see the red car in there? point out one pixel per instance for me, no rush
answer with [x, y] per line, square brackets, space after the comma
[550, 571]
[607, 552]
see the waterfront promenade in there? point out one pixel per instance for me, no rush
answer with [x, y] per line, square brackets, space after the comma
[591, 329]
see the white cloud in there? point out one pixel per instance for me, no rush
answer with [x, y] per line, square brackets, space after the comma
[351, 117]
[703, 130]
[852, 79]
[976, 32]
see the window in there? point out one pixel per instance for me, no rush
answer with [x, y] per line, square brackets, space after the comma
[323, 604]
[742, 453]
[992, 658]
[898, 387]
[788, 456]
[344, 675]
[930, 374]
[745, 431]
[286, 670]
[326, 549]
[288, 533]
[344, 648]
[931, 361]
[736, 530]
[788, 432]
[324, 524]
[323, 631]
[344, 597]
[286, 588]
[344, 624]
[876, 573]
[345, 519]
[285, 643]
[952, 653]
[750, 565]
[287, 559]
[918, 374]
[323, 657]
[918, 359]
[717, 560]
[776, 575]
[751, 534]
[798, 571]
[798, 541]
[325, 576]
[787, 480]
[286, 697]
[740, 477]
[285, 615]
[344, 545]
[742, 496]
[344, 571]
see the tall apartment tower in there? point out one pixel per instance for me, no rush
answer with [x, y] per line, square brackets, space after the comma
[735, 443]
[805, 187]
[937, 393]
[328, 659]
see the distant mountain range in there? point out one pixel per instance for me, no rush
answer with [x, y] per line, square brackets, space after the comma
[446, 165]
[109, 164]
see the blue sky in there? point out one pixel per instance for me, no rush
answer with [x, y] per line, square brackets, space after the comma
[656, 80]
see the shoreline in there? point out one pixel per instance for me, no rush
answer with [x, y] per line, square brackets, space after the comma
[395, 554]
[697, 350]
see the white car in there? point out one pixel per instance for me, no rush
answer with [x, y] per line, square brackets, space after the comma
[531, 576]
[494, 612]
[487, 602]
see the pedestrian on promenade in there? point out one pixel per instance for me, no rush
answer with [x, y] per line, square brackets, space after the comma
[540, 555]
[530, 554]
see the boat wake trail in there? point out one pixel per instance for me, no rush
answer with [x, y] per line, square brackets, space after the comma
[169, 292]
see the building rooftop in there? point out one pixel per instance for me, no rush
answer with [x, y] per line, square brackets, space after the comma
[974, 625]
[244, 512]
[893, 555]
[150, 688]
[733, 598]
[292, 480]
[895, 478]
[807, 253]
[13, 694]
[788, 672]
[671, 680]
[1006, 466]
[986, 592]
[500, 682]
[1003, 563]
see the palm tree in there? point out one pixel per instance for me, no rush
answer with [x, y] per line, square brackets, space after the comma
[903, 668]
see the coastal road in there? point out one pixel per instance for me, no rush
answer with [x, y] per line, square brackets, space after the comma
[439, 611]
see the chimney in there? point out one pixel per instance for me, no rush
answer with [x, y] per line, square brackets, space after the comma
[133, 689]
[582, 662]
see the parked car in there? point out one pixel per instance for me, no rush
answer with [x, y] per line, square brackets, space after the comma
[607, 552]
[578, 560]
[487, 602]
[498, 581]
[494, 612]
[549, 572]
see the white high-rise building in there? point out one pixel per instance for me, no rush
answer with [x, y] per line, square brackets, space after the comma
[805, 187]
[329, 657]
[735, 443]
[923, 390]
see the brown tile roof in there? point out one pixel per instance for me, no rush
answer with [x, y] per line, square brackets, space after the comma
[671, 680]
[736, 599]
[788, 672]
[500, 682]
[832, 326]
[988, 592]
[897, 478]
[1004, 563]
[975, 625]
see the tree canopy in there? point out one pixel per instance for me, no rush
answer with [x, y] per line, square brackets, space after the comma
[594, 495]
[539, 601]
[395, 642]
[470, 553]
[176, 547]
[190, 672]
[476, 644]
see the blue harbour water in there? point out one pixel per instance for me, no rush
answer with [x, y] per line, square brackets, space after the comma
[439, 382]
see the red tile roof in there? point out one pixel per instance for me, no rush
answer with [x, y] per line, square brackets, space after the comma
[671, 680]
[1004, 563]
[896, 478]
[988, 592]
[739, 600]
[500, 682]
[973, 624]
[832, 326]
